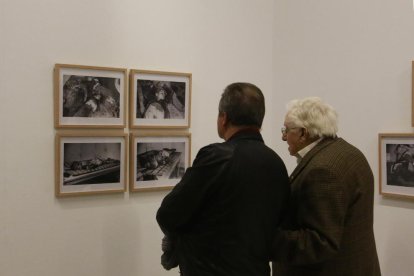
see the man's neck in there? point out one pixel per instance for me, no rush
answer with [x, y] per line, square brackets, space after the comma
[232, 130]
[301, 153]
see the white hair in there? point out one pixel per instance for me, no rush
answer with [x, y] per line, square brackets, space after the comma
[317, 117]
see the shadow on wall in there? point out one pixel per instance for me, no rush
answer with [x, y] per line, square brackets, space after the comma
[398, 202]
[397, 254]
[120, 245]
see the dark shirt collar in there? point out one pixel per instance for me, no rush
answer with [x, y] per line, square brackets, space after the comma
[247, 131]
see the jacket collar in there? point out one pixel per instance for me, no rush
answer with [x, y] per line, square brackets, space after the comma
[246, 133]
[310, 155]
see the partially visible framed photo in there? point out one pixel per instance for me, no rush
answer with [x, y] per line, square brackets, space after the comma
[90, 163]
[158, 161]
[396, 164]
[159, 99]
[88, 96]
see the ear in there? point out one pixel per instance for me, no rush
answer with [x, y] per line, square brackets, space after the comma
[224, 121]
[305, 134]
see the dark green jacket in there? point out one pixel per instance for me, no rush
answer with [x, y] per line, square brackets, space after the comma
[329, 230]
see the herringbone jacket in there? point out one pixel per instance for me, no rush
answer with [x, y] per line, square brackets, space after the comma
[329, 227]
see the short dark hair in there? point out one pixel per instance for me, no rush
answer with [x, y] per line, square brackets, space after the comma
[243, 103]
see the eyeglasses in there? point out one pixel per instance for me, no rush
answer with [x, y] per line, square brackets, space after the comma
[285, 129]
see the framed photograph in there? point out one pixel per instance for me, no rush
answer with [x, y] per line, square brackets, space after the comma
[396, 164]
[87, 96]
[90, 163]
[158, 161]
[159, 99]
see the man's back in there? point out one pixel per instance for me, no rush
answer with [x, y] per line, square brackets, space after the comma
[330, 214]
[230, 202]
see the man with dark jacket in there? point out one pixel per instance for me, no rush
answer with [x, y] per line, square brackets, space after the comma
[221, 217]
[329, 227]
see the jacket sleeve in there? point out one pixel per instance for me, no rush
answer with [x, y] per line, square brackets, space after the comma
[320, 218]
[180, 205]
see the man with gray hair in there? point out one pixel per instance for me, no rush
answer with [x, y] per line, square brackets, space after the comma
[221, 217]
[329, 225]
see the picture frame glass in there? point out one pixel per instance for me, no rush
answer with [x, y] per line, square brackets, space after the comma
[90, 97]
[160, 99]
[91, 164]
[158, 161]
[397, 165]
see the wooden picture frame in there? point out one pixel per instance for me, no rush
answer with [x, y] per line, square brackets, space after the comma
[90, 163]
[412, 93]
[90, 96]
[158, 160]
[396, 164]
[159, 99]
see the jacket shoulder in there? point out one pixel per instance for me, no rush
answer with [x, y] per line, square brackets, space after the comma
[341, 155]
[340, 147]
[213, 153]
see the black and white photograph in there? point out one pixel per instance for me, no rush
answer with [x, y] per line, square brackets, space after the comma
[159, 99]
[90, 164]
[90, 96]
[158, 161]
[397, 164]
[400, 167]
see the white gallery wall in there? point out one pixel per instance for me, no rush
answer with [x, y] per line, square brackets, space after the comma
[355, 54]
